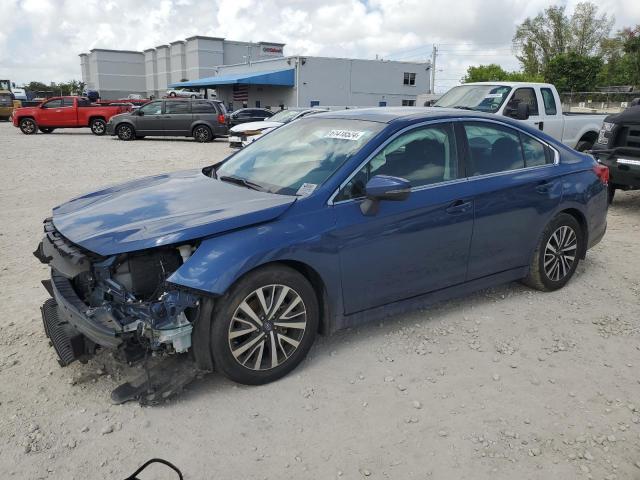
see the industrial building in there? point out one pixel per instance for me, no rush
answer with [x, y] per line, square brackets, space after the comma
[118, 73]
[254, 74]
[317, 81]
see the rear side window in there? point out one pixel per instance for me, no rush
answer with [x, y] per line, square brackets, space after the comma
[492, 149]
[177, 107]
[84, 102]
[535, 152]
[203, 107]
[549, 101]
[524, 95]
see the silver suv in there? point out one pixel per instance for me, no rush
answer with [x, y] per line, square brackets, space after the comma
[201, 119]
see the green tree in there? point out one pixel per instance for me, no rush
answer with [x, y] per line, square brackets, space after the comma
[573, 72]
[495, 73]
[552, 32]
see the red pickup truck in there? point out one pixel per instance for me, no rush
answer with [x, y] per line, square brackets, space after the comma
[65, 112]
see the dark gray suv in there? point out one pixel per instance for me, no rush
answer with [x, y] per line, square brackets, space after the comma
[201, 119]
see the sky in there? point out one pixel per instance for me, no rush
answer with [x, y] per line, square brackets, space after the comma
[40, 39]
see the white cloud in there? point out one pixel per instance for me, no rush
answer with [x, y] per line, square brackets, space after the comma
[44, 37]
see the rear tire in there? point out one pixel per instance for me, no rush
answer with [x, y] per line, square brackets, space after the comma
[125, 132]
[202, 134]
[28, 126]
[611, 192]
[172, 94]
[557, 254]
[268, 350]
[46, 129]
[98, 126]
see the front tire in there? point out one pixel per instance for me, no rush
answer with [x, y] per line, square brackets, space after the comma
[98, 126]
[584, 145]
[28, 126]
[557, 255]
[264, 326]
[202, 134]
[172, 94]
[125, 132]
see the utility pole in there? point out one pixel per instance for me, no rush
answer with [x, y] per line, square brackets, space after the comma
[434, 54]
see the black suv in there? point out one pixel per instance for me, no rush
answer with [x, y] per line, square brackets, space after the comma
[244, 115]
[618, 147]
[201, 119]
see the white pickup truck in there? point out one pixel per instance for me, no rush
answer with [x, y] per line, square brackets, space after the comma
[537, 104]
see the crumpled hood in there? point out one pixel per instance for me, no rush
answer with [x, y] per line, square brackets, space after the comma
[243, 127]
[162, 210]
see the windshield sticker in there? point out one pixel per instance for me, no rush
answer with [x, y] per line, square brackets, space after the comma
[306, 189]
[493, 95]
[344, 134]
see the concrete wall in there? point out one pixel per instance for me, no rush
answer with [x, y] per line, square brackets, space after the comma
[178, 61]
[203, 55]
[163, 67]
[364, 83]
[114, 72]
[151, 74]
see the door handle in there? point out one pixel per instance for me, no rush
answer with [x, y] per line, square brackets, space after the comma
[540, 125]
[458, 207]
[543, 187]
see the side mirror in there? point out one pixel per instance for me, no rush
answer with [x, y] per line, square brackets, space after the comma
[140, 112]
[384, 187]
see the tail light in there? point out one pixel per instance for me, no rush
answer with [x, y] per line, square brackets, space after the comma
[221, 119]
[602, 171]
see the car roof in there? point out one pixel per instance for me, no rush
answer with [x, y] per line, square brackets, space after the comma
[178, 99]
[390, 114]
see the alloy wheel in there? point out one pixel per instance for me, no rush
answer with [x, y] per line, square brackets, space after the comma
[28, 126]
[201, 134]
[98, 128]
[125, 132]
[560, 253]
[267, 327]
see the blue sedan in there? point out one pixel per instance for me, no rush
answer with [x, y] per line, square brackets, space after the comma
[326, 223]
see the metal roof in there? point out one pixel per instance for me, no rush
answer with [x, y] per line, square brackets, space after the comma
[272, 77]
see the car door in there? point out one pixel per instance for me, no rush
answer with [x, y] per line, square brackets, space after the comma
[149, 119]
[68, 116]
[552, 120]
[49, 113]
[515, 190]
[177, 117]
[528, 96]
[413, 246]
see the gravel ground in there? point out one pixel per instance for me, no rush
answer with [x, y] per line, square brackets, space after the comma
[507, 383]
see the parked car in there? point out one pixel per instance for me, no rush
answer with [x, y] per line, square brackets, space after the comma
[246, 133]
[65, 112]
[19, 93]
[246, 115]
[618, 147]
[328, 222]
[184, 93]
[6, 104]
[201, 119]
[536, 104]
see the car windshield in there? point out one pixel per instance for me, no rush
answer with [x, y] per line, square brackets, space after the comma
[284, 116]
[483, 98]
[295, 159]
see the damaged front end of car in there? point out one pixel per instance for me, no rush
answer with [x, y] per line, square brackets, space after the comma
[121, 302]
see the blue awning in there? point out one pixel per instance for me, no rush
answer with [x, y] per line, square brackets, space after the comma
[273, 77]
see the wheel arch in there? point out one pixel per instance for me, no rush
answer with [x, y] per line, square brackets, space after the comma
[96, 117]
[588, 136]
[582, 221]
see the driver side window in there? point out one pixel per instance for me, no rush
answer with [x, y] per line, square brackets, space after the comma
[154, 108]
[424, 156]
[53, 104]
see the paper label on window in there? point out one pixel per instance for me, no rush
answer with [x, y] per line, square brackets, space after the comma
[344, 134]
[306, 189]
[493, 95]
